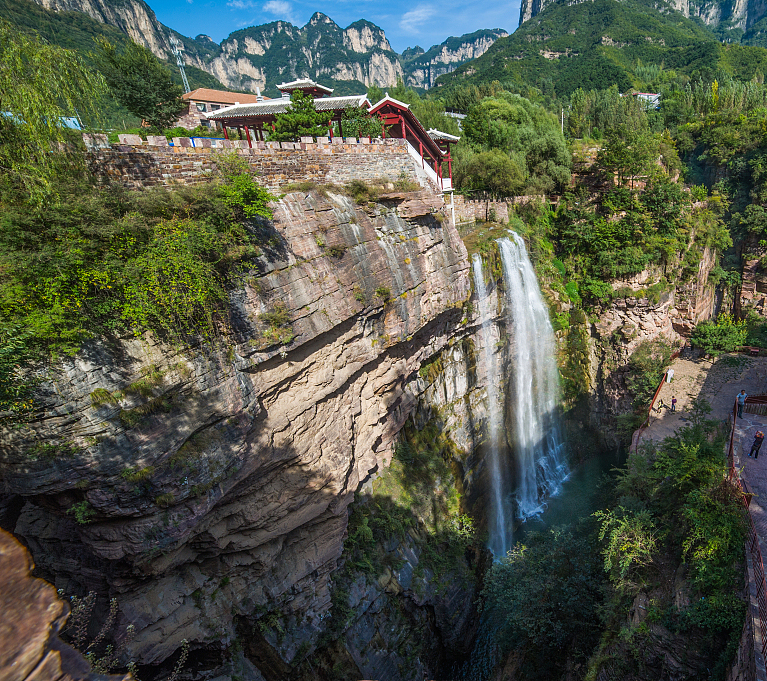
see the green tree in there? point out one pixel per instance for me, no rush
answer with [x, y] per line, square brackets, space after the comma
[725, 335]
[39, 84]
[300, 120]
[375, 94]
[357, 122]
[491, 171]
[525, 131]
[141, 83]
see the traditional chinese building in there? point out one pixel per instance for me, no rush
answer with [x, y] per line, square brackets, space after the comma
[204, 101]
[432, 146]
[257, 118]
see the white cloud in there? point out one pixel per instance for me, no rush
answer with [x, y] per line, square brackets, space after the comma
[412, 20]
[281, 9]
[241, 4]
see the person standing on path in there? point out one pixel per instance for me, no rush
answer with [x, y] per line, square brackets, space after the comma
[673, 403]
[758, 439]
[741, 401]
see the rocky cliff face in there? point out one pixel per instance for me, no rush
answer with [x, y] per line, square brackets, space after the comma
[425, 68]
[630, 320]
[264, 56]
[739, 14]
[135, 18]
[207, 488]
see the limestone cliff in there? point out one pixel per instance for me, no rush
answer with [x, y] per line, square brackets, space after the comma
[739, 14]
[426, 67]
[261, 57]
[207, 488]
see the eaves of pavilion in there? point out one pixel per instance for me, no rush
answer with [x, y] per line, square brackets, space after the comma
[433, 146]
[261, 115]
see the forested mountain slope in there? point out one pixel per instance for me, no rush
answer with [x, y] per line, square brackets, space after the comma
[602, 43]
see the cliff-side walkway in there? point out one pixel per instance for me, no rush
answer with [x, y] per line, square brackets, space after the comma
[717, 382]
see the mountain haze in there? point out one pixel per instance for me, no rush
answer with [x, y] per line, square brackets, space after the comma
[348, 59]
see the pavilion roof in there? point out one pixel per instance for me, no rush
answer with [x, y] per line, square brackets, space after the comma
[403, 110]
[304, 84]
[278, 106]
[204, 94]
[439, 136]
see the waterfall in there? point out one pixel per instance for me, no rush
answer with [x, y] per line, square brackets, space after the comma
[500, 530]
[534, 386]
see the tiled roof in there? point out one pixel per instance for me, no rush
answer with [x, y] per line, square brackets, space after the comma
[304, 84]
[203, 94]
[439, 135]
[277, 106]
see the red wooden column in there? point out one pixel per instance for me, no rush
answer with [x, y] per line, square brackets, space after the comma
[330, 129]
[450, 167]
[226, 134]
[402, 121]
[247, 134]
[420, 146]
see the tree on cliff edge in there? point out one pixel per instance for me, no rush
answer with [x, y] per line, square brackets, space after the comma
[300, 120]
[141, 83]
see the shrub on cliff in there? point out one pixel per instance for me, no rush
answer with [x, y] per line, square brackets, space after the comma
[106, 260]
[724, 335]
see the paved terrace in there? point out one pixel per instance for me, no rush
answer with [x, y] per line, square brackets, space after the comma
[719, 382]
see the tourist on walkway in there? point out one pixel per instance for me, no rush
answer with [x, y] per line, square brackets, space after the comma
[758, 438]
[673, 403]
[741, 401]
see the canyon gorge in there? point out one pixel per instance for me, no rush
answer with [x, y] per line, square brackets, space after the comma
[246, 493]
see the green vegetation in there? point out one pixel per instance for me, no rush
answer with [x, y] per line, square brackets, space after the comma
[674, 505]
[105, 260]
[598, 44]
[300, 120]
[534, 154]
[414, 503]
[358, 123]
[561, 599]
[82, 511]
[29, 71]
[724, 335]
[141, 83]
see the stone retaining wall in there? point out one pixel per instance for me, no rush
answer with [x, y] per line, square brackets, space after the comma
[135, 163]
[471, 210]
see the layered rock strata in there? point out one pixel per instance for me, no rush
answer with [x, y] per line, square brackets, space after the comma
[207, 488]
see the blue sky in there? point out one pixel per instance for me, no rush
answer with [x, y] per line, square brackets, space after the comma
[406, 22]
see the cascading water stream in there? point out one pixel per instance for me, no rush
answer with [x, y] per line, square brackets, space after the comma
[534, 386]
[500, 530]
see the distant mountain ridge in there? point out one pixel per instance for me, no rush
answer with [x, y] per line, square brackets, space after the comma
[260, 57]
[599, 43]
[731, 20]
